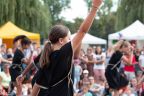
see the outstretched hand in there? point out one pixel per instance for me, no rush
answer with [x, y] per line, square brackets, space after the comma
[19, 80]
[96, 3]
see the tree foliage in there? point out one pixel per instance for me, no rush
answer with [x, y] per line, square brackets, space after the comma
[55, 7]
[105, 24]
[31, 15]
[128, 12]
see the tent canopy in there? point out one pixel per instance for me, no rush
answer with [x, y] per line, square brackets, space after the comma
[9, 31]
[134, 31]
[90, 39]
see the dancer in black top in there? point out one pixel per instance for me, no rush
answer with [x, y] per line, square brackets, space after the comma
[18, 59]
[17, 42]
[115, 79]
[33, 63]
[55, 72]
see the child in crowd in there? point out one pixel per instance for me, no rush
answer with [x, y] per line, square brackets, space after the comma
[77, 73]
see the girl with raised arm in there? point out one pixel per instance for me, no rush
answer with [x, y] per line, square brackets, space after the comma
[56, 67]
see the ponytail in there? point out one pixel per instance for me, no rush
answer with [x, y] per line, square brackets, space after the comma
[44, 59]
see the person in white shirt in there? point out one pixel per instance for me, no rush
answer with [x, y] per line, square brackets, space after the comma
[99, 66]
[3, 60]
[6, 78]
[141, 60]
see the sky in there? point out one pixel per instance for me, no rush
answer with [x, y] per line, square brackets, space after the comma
[79, 9]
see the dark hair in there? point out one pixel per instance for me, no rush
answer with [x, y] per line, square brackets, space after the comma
[18, 38]
[96, 50]
[57, 32]
[25, 41]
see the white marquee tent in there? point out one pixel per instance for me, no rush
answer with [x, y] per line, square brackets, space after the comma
[134, 31]
[90, 39]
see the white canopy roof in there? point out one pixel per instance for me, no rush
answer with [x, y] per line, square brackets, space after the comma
[90, 39]
[134, 31]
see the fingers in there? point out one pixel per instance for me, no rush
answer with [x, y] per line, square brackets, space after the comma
[19, 80]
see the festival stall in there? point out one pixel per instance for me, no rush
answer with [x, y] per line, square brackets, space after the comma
[134, 32]
[91, 40]
[9, 31]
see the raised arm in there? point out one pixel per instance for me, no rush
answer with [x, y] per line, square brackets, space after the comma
[77, 52]
[128, 60]
[85, 26]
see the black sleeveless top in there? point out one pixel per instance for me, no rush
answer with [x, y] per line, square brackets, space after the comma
[59, 67]
[115, 78]
[18, 56]
[115, 58]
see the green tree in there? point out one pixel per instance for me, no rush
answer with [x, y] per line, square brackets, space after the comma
[73, 26]
[106, 7]
[105, 24]
[128, 12]
[55, 7]
[102, 27]
[31, 15]
[7, 10]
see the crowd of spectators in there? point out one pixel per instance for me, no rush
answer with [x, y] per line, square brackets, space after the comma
[89, 69]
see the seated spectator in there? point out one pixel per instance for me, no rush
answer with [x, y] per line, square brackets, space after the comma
[84, 78]
[96, 88]
[3, 60]
[2, 91]
[107, 90]
[6, 78]
[85, 91]
[134, 86]
[77, 73]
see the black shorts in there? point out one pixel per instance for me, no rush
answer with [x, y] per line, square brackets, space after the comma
[34, 79]
[14, 72]
[43, 92]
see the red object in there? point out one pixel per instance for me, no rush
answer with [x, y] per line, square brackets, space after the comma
[130, 68]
